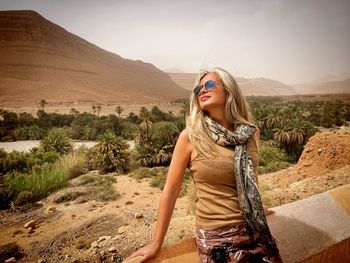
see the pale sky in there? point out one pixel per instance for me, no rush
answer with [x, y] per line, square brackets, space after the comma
[291, 41]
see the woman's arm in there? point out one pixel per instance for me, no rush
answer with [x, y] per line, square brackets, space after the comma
[179, 162]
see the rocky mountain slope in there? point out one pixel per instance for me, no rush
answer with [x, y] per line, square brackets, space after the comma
[41, 60]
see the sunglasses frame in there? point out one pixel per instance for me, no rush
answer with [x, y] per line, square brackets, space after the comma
[208, 85]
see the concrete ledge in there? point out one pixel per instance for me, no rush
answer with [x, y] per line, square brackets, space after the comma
[316, 229]
[308, 227]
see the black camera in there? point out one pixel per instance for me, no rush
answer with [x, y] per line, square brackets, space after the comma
[219, 254]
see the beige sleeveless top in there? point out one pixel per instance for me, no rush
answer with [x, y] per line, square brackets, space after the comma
[217, 201]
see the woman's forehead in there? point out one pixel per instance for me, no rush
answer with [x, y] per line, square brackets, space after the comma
[209, 76]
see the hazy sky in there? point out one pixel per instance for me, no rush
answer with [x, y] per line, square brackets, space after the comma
[288, 40]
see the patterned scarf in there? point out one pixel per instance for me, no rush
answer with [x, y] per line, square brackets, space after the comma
[248, 193]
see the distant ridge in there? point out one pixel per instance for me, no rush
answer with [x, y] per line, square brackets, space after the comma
[257, 86]
[326, 87]
[41, 60]
[270, 87]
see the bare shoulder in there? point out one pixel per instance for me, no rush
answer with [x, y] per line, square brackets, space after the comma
[184, 141]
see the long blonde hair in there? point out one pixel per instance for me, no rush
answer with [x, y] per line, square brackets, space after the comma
[237, 112]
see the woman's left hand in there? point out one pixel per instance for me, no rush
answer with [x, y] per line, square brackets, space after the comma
[268, 211]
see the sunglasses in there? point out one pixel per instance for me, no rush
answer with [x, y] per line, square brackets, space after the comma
[210, 84]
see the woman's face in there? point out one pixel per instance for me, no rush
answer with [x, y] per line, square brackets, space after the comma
[213, 96]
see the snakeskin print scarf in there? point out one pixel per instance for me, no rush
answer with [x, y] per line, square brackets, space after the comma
[248, 193]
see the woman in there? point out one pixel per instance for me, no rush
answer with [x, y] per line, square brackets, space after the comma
[220, 147]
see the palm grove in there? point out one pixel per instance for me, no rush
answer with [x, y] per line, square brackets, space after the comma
[26, 177]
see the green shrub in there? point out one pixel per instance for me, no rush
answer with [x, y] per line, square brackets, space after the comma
[273, 167]
[158, 181]
[24, 162]
[74, 163]
[144, 172]
[32, 132]
[265, 192]
[110, 154]
[41, 182]
[56, 141]
[151, 155]
[271, 158]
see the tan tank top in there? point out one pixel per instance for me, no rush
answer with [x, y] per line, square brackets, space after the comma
[217, 200]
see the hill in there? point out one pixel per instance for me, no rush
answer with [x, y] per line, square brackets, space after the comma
[326, 87]
[257, 86]
[41, 60]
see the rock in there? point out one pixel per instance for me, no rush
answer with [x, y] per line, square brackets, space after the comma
[138, 215]
[319, 151]
[31, 223]
[122, 229]
[112, 249]
[100, 239]
[94, 244]
[51, 209]
[80, 200]
[30, 230]
[10, 260]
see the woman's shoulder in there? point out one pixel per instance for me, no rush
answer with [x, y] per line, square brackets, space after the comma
[184, 136]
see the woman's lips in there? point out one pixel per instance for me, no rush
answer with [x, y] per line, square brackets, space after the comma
[204, 98]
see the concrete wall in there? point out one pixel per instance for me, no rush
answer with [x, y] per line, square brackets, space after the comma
[313, 230]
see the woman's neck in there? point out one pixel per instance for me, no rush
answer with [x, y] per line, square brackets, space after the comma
[221, 119]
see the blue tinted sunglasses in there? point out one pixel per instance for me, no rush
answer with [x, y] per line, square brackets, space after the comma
[210, 84]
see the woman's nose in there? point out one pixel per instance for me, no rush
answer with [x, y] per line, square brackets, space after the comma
[203, 90]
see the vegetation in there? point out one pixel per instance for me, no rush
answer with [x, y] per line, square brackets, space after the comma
[57, 141]
[36, 185]
[285, 128]
[110, 154]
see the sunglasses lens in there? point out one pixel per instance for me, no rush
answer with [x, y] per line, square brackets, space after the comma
[197, 90]
[210, 84]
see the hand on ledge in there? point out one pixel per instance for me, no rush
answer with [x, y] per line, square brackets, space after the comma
[268, 211]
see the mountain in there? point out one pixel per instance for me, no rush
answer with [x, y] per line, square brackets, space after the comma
[328, 87]
[338, 77]
[41, 60]
[256, 86]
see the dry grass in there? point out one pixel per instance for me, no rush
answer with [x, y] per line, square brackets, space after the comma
[55, 249]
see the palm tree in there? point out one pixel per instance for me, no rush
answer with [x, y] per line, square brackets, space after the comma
[112, 153]
[185, 108]
[98, 108]
[43, 104]
[93, 109]
[119, 110]
[281, 136]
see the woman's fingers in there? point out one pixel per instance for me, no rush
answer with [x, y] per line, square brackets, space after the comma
[268, 211]
[142, 255]
[135, 259]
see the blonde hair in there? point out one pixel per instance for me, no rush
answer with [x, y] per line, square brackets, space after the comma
[237, 112]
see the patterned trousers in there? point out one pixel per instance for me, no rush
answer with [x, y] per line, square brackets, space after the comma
[231, 245]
